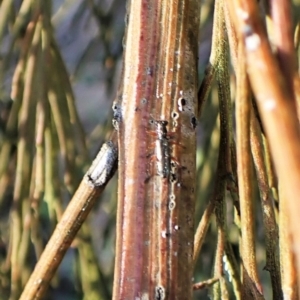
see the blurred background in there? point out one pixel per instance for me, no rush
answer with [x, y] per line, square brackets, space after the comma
[60, 69]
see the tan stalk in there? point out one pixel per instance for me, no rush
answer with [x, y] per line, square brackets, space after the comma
[202, 228]
[251, 288]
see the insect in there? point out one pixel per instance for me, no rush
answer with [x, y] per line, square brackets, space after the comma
[165, 161]
[162, 149]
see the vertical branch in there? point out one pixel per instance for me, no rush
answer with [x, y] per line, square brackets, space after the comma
[154, 245]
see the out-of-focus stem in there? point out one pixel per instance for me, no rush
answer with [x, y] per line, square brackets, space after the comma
[74, 118]
[289, 276]
[20, 212]
[213, 59]
[281, 14]
[5, 10]
[276, 106]
[16, 95]
[93, 285]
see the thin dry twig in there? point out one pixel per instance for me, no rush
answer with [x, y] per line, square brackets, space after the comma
[205, 284]
[93, 183]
